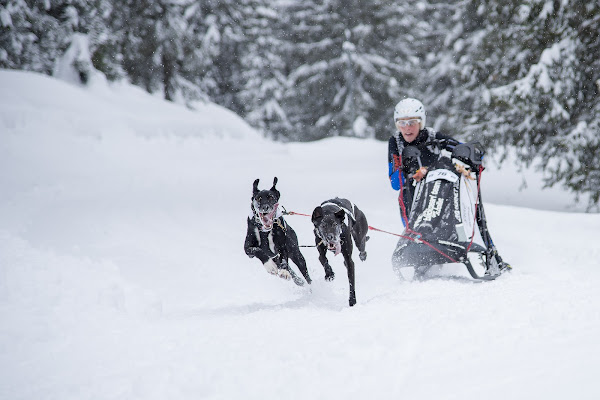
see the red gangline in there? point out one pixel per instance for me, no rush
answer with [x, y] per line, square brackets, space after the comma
[395, 234]
[297, 213]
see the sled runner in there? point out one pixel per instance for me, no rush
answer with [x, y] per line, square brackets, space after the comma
[445, 212]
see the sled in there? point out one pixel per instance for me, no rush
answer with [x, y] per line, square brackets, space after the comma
[445, 212]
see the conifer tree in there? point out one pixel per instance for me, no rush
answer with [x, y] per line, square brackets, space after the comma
[35, 34]
[264, 70]
[345, 67]
[221, 24]
[527, 80]
[17, 41]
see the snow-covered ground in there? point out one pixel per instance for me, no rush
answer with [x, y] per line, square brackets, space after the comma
[123, 275]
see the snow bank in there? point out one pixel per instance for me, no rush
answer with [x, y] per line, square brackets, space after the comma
[32, 102]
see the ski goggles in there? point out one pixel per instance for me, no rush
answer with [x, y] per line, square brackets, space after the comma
[408, 122]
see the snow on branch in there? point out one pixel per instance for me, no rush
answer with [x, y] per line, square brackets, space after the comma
[539, 76]
[307, 70]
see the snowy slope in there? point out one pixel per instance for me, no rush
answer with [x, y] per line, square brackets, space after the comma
[122, 273]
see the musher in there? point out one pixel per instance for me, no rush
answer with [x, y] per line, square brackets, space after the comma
[410, 120]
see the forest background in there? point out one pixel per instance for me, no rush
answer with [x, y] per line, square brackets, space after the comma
[522, 77]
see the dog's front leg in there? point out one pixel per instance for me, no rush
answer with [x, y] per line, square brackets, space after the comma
[279, 240]
[329, 275]
[253, 250]
[256, 245]
[350, 267]
[347, 253]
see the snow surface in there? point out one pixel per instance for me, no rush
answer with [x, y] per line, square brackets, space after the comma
[123, 275]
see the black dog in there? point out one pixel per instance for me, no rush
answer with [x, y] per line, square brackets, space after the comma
[271, 239]
[331, 233]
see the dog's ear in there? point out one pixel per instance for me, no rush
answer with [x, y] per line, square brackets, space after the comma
[340, 215]
[275, 190]
[317, 215]
[255, 188]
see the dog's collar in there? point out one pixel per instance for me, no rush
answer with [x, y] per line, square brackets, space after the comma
[275, 221]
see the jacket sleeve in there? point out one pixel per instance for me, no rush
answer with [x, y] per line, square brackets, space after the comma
[394, 163]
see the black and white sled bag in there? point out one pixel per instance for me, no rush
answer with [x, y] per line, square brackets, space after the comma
[446, 221]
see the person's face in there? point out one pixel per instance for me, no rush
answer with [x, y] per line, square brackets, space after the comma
[409, 128]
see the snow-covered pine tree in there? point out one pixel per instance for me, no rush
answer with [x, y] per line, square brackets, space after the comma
[529, 80]
[172, 35]
[554, 103]
[223, 42]
[439, 44]
[344, 68]
[154, 38]
[135, 26]
[35, 34]
[202, 48]
[264, 68]
[470, 59]
[17, 41]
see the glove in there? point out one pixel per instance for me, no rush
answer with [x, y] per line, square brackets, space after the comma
[420, 174]
[462, 169]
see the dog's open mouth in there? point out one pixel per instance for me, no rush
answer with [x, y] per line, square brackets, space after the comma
[267, 219]
[335, 247]
[266, 216]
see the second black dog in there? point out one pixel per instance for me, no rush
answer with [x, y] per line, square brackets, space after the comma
[333, 234]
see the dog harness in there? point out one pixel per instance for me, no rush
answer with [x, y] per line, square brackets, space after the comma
[348, 212]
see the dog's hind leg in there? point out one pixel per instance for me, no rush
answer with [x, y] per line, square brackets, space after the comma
[359, 233]
[300, 262]
[294, 253]
[360, 240]
[287, 273]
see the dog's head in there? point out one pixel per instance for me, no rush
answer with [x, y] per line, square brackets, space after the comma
[265, 203]
[329, 227]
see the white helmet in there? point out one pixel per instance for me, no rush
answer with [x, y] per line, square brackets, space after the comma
[410, 108]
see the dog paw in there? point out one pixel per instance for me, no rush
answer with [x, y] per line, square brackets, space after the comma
[271, 267]
[329, 276]
[362, 255]
[285, 274]
[352, 301]
[298, 281]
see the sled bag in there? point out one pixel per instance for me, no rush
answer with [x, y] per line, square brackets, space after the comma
[443, 215]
